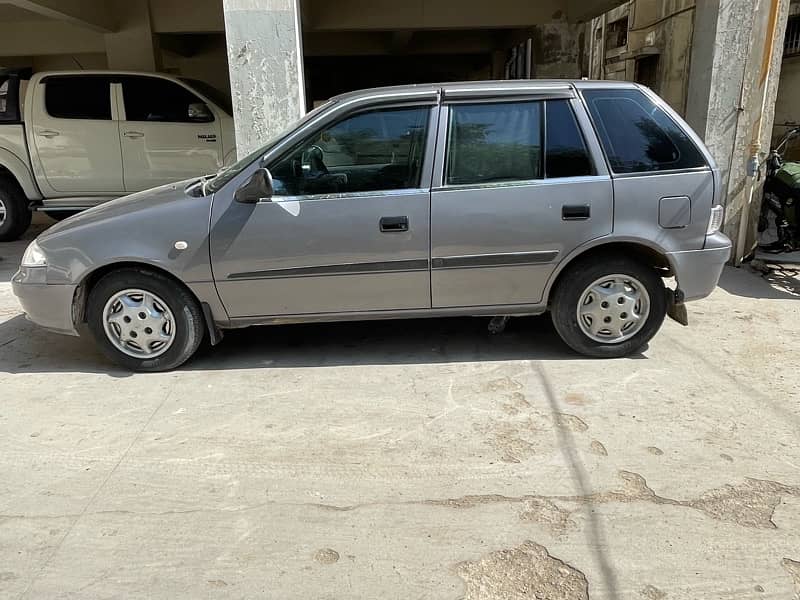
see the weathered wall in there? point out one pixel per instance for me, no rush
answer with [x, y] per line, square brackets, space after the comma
[787, 105]
[732, 89]
[266, 71]
[660, 28]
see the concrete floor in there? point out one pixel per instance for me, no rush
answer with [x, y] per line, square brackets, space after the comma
[409, 460]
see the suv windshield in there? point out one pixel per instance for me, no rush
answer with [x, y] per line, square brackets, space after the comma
[217, 97]
[226, 175]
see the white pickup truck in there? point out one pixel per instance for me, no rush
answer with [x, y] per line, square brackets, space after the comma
[71, 140]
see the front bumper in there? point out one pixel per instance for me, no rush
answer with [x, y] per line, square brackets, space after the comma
[698, 271]
[47, 305]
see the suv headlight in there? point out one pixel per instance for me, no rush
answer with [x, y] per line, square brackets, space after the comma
[34, 257]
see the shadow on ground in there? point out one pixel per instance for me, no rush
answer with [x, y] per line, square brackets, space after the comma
[24, 348]
[778, 283]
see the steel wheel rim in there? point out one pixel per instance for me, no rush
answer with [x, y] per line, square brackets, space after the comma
[613, 308]
[139, 323]
[2, 211]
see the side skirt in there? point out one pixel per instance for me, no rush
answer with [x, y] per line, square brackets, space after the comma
[461, 311]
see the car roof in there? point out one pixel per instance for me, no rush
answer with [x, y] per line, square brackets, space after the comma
[500, 85]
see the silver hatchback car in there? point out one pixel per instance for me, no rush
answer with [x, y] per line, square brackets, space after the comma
[480, 198]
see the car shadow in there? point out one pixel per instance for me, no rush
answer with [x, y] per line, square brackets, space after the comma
[24, 348]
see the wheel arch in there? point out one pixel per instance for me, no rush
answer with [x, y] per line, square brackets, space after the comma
[641, 250]
[11, 167]
[90, 279]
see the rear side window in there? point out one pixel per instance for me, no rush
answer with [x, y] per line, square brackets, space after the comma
[637, 135]
[160, 100]
[566, 154]
[78, 98]
[491, 143]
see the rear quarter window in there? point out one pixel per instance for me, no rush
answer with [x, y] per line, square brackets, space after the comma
[639, 136]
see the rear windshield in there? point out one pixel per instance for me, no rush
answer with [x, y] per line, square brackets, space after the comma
[639, 136]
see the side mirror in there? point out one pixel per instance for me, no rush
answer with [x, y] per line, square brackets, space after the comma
[257, 189]
[200, 113]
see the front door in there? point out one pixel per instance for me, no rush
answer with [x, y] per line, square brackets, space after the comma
[75, 136]
[519, 192]
[167, 133]
[347, 229]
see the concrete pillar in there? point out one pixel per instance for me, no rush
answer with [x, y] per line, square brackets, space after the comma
[132, 47]
[735, 68]
[265, 59]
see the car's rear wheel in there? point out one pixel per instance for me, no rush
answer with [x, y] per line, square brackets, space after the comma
[143, 320]
[609, 307]
[15, 216]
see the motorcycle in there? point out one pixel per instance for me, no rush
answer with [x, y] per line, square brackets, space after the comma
[781, 199]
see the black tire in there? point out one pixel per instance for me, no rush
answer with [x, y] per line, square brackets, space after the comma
[60, 215]
[189, 323]
[17, 215]
[576, 279]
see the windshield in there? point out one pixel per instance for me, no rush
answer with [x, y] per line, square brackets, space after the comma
[226, 175]
[217, 97]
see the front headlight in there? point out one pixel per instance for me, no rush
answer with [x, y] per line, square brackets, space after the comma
[34, 257]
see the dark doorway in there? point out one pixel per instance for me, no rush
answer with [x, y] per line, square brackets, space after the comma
[647, 71]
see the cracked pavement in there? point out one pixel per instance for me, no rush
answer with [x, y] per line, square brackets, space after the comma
[419, 459]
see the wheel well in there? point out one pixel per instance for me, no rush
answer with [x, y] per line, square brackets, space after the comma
[88, 283]
[7, 175]
[638, 252]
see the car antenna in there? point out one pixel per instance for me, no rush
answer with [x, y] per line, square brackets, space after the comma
[77, 63]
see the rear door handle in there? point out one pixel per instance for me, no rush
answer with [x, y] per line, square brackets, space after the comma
[49, 133]
[133, 134]
[576, 212]
[394, 224]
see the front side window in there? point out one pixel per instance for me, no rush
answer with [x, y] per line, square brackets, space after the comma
[637, 135]
[78, 98]
[159, 100]
[494, 142]
[375, 150]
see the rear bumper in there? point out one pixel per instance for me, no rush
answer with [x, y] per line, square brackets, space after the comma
[49, 306]
[698, 271]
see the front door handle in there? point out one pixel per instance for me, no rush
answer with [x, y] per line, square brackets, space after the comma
[576, 212]
[133, 134]
[49, 133]
[394, 224]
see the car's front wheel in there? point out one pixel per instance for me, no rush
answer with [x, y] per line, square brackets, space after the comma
[143, 320]
[610, 307]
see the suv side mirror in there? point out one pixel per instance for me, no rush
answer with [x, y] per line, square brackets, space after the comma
[200, 113]
[257, 189]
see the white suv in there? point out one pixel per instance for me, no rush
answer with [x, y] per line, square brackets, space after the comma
[71, 140]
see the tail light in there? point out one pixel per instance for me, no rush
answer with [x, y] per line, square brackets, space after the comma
[715, 221]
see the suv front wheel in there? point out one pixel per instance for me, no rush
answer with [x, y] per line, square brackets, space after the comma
[608, 307]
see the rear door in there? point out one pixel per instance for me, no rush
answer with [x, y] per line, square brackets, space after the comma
[75, 136]
[663, 183]
[167, 132]
[517, 191]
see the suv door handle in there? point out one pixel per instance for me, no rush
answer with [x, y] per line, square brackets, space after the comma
[575, 212]
[49, 133]
[394, 224]
[133, 134]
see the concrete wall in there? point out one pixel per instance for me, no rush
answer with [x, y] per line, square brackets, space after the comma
[733, 84]
[656, 28]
